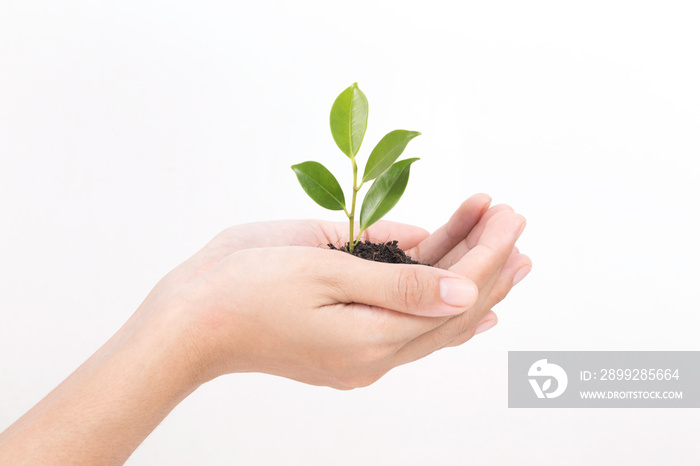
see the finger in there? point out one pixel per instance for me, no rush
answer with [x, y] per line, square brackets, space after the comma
[435, 246]
[515, 269]
[487, 322]
[468, 242]
[493, 249]
[482, 265]
[407, 235]
[491, 264]
[409, 289]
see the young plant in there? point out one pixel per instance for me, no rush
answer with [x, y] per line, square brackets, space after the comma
[348, 126]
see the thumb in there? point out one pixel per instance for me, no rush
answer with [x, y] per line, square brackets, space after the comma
[411, 289]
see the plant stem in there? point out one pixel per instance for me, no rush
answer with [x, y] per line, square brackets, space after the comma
[351, 217]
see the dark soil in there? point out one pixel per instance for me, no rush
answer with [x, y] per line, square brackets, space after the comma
[378, 252]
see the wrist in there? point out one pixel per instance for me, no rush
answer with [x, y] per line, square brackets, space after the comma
[163, 341]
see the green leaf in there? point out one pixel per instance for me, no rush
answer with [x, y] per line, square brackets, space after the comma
[320, 185]
[386, 152]
[385, 192]
[349, 120]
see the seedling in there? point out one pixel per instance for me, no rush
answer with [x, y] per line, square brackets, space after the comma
[348, 126]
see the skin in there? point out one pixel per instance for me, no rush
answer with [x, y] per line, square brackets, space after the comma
[264, 297]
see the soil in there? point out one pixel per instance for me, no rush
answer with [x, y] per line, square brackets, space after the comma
[379, 252]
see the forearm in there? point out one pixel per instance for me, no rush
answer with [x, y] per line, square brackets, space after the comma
[107, 407]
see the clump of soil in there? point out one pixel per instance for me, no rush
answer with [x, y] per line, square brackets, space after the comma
[379, 252]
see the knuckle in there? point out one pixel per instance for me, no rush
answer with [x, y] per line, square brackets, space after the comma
[332, 284]
[442, 335]
[466, 322]
[410, 289]
[462, 339]
[498, 294]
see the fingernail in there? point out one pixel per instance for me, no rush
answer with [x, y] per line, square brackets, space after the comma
[521, 273]
[485, 326]
[457, 292]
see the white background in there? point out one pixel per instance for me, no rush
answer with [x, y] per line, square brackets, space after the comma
[132, 132]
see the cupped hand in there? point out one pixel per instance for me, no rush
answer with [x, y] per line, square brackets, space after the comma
[267, 297]
[315, 315]
[442, 249]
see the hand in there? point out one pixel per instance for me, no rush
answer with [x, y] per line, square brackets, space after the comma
[462, 247]
[314, 315]
[442, 249]
[265, 297]
[322, 336]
